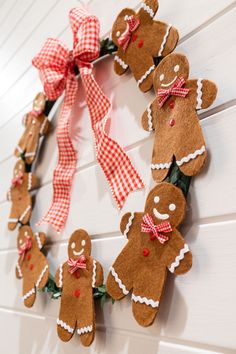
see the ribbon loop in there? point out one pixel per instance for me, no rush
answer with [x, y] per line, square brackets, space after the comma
[148, 226]
[25, 247]
[132, 24]
[17, 180]
[76, 264]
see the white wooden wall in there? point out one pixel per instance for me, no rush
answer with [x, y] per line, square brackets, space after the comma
[198, 313]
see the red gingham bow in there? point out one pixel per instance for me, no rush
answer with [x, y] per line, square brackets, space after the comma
[79, 263]
[132, 25]
[18, 180]
[56, 65]
[148, 226]
[25, 247]
[176, 90]
[36, 113]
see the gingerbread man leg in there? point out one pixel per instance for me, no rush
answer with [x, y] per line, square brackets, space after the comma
[13, 218]
[29, 292]
[67, 321]
[25, 213]
[121, 275]
[20, 147]
[86, 318]
[146, 295]
[146, 67]
[31, 149]
[162, 158]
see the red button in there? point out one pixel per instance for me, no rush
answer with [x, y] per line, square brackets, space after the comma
[134, 37]
[29, 257]
[145, 252]
[172, 122]
[31, 266]
[140, 43]
[77, 293]
[77, 274]
[152, 237]
[172, 104]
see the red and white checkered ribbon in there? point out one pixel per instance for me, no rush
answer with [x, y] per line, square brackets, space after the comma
[76, 264]
[132, 25]
[25, 247]
[17, 180]
[175, 90]
[148, 226]
[56, 65]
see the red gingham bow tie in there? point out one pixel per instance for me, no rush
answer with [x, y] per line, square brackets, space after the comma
[18, 180]
[25, 247]
[148, 226]
[176, 90]
[132, 25]
[36, 113]
[56, 65]
[79, 263]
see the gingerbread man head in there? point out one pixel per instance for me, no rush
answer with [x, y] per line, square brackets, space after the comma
[19, 168]
[25, 237]
[39, 103]
[173, 66]
[121, 25]
[79, 244]
[165, 202]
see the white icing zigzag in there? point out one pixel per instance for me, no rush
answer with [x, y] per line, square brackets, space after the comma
[160, 166]
[94, 274]
[31, 292]
[19, 149]
[119, 282]
[60, 275]
[148, 72]
[9, 195]
[121, 62]
[178, 258]
[12, 220]
[199, 94]
[25, 212]
[19, 269]
[65, 326]
[29, 154]
[144, 300]
[148, 9]
[128, 225]
[29, 181]
[149, 114]
[164, 40]
[84, 330]
[41, 275]
[191, 156]
[38, 240]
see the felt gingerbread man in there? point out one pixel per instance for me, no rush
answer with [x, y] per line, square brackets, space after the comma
[19, 195]
[173, 117]
[139, 39]
[36, 125]
[32, 265]
[77, 277]
[154, 247]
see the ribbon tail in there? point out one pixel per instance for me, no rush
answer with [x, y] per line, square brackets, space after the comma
[65, 169]
[120, 173]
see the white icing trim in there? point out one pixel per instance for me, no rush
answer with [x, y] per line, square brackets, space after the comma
[38, 240]
[121, 62]
[29, 181]
[28, 154]
[84, 330]
[160, 166]
[9, 195]
[12, 220]
[118, 281]
[199, 94]
[60, 275]
[19, 149]
[148, 9]
[148, 72]
[41, 275]
[191, 156]
[144, 300]
[65, 326]
[149, 114]
[175, 264]
[164, 40]
[25, 212]
[19, 269]
[43, 126]
[28, 294]
[94, 274]
[128, 225]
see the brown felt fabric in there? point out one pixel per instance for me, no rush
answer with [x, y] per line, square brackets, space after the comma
[20, 197]
[34, 128]
[78, 312]
[144, 44]
[32, 264]
[186, 136]
[146, 275]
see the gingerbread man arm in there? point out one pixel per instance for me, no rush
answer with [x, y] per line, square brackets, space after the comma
[59, 276]
[97, 278]
[45, 126]
[149, 117]
[19, 273]
[32, 181]
[148, 10]
[205, 92]
[129, 224]
[177, 255]
[40, 238]
[120, 64]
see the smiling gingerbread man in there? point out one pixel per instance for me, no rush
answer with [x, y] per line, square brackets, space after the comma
[77, 277]
[32, 265]
[173, 116]
[139, 39]
[154, 247]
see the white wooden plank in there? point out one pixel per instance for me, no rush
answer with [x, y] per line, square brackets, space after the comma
[5, 9]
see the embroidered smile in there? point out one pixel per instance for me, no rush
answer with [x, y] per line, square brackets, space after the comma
[159, 215]
[78, 253]
[170, 83]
